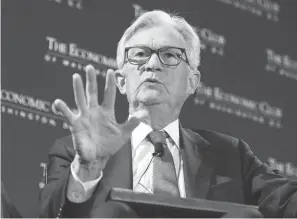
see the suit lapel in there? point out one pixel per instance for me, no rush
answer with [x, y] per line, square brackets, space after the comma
[199, 160]
[117, 173]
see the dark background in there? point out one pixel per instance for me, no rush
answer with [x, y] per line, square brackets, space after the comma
[237, 67]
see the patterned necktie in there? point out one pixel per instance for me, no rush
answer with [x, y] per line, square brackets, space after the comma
[164, 175]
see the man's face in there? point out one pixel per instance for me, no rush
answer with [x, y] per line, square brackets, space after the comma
[153, 82]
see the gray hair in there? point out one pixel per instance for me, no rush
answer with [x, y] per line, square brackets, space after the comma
[157, 18]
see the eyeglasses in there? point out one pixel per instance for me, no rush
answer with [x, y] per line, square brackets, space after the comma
[170, 56]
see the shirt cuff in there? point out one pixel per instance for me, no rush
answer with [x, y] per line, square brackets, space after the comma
[88, 186]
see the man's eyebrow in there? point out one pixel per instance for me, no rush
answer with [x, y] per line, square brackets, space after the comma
[143, 45]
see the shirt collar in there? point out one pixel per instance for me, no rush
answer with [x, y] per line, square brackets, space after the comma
[142, 130]
[173, 131]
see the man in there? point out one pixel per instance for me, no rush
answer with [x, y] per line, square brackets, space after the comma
[8, 209]
[158, 57]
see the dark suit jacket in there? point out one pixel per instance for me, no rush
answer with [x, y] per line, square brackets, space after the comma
[216, 167]
[8, 210]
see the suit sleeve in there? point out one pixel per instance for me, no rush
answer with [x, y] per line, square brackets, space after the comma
[275, 195]
[8, 210]
[53, 197]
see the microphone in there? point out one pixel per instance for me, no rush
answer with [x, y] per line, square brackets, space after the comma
[159, 150]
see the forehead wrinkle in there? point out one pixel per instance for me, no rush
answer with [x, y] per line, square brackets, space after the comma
[152, 40]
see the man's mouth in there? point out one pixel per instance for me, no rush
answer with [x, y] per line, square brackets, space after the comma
[151, 80]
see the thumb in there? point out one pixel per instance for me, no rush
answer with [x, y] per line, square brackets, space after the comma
[133, 122]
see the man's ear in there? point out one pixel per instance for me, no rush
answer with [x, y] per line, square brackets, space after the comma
[120, 81]
[194, 81]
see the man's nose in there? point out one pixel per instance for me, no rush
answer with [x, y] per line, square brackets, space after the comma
[153, 64]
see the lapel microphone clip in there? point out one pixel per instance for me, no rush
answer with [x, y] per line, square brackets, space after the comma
[159, 149]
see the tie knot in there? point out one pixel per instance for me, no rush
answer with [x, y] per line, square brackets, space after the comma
[158, 137]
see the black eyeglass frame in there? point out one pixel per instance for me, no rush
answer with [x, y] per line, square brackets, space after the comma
[183, 50]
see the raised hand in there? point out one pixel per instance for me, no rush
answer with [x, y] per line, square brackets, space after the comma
[95, 132]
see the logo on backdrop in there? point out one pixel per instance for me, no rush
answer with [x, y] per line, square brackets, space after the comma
[31, 108]
[78, 4]
[263, 8]
[284, 168]
[282, 64]
[258, 111]
[72, 56]
[210, 40]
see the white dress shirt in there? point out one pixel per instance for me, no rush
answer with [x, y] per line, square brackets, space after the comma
[142, 164]
[142, 151]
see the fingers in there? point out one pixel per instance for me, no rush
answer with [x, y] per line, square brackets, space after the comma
[91, 87]
[110, 90]
[62, 107]
[79, 94]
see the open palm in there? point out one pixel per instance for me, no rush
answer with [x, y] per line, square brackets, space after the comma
[95, 131]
